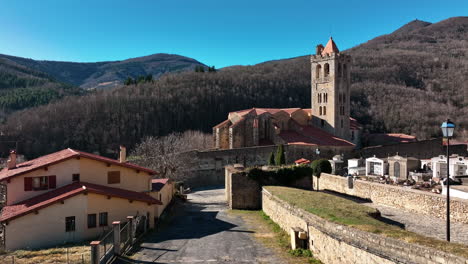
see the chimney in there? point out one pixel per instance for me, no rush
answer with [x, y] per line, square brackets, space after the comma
[123, 154]
[319, 49]
[11, 163]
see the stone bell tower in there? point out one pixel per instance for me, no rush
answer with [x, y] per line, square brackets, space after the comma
[331, 89]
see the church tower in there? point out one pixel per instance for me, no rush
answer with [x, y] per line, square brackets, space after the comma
[331, 90]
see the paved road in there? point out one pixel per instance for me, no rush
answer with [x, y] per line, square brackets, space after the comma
[202, 232]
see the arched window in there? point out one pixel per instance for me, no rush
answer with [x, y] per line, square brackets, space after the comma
[326, 98]
[317, 71]
[326, 70]
[320, 110]
[324, 110]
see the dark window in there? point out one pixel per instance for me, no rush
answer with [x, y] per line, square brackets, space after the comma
[103, 219]
[76, 177]
[91, 220]
[320, 110]
[69, 224]
[317, 71]
[326, 70]
[113, 177]
[324, 110]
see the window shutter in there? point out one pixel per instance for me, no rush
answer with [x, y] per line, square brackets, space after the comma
[28, 183]
[52, 182]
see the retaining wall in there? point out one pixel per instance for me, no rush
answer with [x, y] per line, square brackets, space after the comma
[333, 243]
[396, 196]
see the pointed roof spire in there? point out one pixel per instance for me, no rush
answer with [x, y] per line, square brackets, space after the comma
[330, 48]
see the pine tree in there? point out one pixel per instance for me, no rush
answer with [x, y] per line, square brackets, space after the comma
[280, 157]
[271, 160]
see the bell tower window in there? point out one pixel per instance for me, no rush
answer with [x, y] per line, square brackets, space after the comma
[324, 110]
[320, 110]
[317, 71]
[326, 69]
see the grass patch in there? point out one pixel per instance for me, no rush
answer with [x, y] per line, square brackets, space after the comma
[271, 235]
[342, 211]
[77, 253]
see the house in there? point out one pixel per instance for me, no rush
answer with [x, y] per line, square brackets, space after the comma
[399, 167]
[162, 190]
[376, 166]
[71, 196]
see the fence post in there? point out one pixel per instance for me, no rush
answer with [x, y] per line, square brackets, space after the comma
[130, 229]
[116, 227]
[95, 252]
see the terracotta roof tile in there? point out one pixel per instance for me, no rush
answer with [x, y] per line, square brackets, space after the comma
[60, 156]
[158, 184]
[330, 48]
[44, 200]
[314, 137]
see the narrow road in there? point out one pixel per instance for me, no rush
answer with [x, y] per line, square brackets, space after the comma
[202, 232]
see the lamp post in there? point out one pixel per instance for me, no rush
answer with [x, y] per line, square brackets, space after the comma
[447, 130]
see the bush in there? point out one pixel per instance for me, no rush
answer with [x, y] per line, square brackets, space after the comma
[321, 165]
[281, 176]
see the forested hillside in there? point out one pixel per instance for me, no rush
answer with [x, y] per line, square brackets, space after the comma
[98, 75]
[22, 87]
[408, 81]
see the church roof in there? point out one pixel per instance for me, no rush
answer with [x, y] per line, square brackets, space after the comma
[330, 48]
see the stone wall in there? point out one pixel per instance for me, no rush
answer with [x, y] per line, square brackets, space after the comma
[241, 191]
[334, 243]
[208, 166]
[421, 149]
[396, 196]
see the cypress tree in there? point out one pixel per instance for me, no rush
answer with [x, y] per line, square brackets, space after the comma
[280, 158]
[271, 160]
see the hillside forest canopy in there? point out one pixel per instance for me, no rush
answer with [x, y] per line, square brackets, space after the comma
[409, 81]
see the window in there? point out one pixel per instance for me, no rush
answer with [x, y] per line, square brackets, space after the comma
[319, 98]
[113, 177]
[324, 110]
[91, 220]
[341, 123]
[326, 70]
[320, 110]
[76, 177]
[317, 71]
[326, 98]
[344, 70]
[103, 219]
[69, 224]
[39, 183]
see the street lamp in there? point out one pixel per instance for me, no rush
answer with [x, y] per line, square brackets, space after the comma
[447, 130]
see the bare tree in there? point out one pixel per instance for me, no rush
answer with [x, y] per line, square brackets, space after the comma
[170, 155]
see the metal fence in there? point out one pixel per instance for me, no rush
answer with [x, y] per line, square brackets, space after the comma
[64, 257]
[125, 236]
[106, 247]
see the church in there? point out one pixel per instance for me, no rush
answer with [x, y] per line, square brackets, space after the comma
[326, 124]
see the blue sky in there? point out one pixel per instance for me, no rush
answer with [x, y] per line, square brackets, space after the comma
[215, 32]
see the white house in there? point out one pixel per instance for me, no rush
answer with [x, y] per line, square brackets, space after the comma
[376, 166]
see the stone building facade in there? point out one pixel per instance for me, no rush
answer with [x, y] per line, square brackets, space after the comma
[327, 123]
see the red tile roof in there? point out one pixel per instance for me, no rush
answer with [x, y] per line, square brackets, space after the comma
[390, 138]
[158, 184]
[44, 200]
[302, 161]
[330, 47]
[60, 156]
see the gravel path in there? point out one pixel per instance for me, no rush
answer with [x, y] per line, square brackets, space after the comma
[203, 232]
[423, 224]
